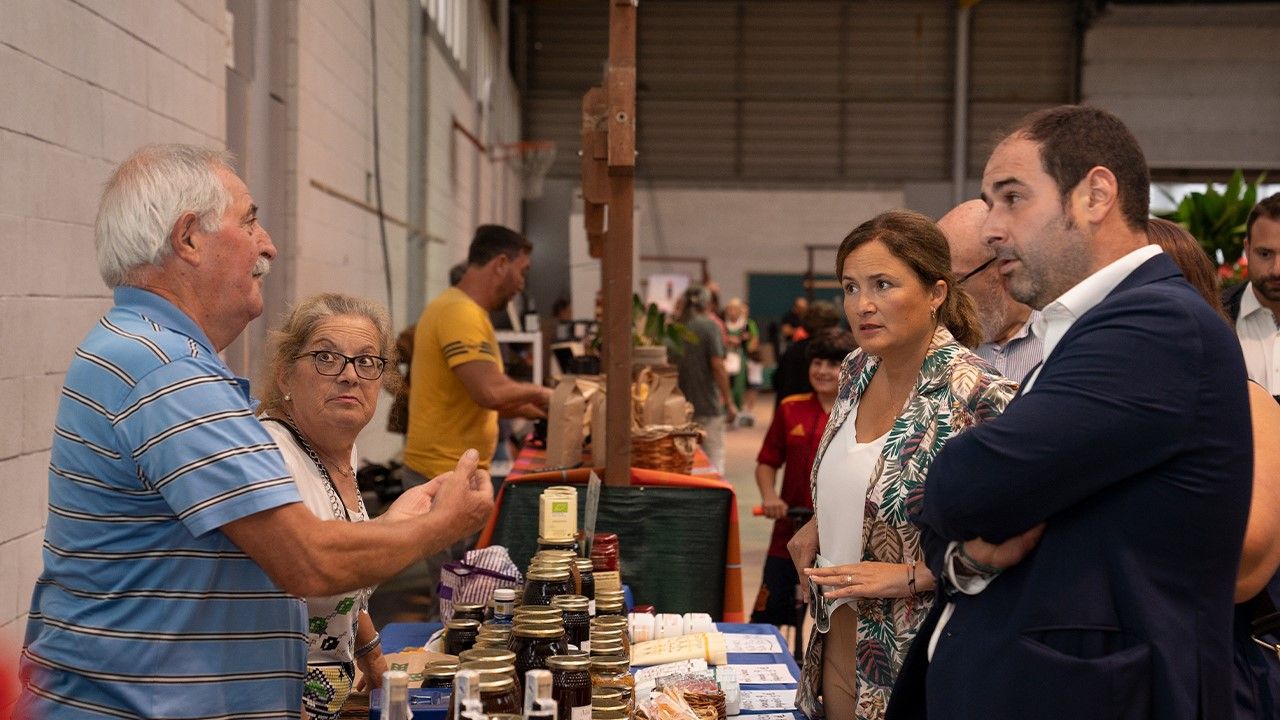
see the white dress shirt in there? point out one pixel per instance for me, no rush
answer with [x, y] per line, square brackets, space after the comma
[1055, 320]
[1259, 336]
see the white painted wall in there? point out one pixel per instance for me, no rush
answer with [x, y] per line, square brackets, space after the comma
[1197, 84]
[742, 231]
[86, 82]
[83, 84]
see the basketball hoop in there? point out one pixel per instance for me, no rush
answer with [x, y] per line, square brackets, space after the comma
[536, 158]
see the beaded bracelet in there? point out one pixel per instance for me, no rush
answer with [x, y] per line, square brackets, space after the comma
[369, 646]
[911, 578]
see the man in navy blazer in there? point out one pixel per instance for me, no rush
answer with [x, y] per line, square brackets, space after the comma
[1086, 542]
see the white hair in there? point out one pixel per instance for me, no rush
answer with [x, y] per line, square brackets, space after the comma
[147, 195]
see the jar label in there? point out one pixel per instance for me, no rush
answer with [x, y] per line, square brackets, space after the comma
[580, 713]
[586, 646]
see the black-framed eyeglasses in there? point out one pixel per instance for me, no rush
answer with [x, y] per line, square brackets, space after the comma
[331, 363]
[978, 269]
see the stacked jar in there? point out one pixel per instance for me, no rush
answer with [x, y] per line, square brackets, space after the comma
[534, 638]
[497, 694]
[613, 672]
[571, 686]
[545, 582]
[615, 626]
[460, 634]
[577, 623]
[610, 602]
[439, 674]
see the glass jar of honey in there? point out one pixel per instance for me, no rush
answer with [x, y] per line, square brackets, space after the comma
[571, 686]
[613, 671]
[460, 635]
[439, 674]
[468, 611]
[533, 644]
[577, 623]
[543, 584]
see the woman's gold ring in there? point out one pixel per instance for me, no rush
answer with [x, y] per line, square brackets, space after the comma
[848, 579]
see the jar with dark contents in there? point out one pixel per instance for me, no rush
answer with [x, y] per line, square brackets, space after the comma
[497, 695]
[587, 576]
[544, 584]
[545, 624]
[468, 611]
[439, 674]
[570, 544]
[577, 623]
[613, 671]
[533, 644]
[460, 635]
[478, 653]
[571, 686]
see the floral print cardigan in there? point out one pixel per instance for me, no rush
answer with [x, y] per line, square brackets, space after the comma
[954, 391]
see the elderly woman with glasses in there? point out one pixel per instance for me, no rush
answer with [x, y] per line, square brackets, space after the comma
[328, 365]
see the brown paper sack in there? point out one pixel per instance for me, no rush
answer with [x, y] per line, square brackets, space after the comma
[566, 418]
[666, 405]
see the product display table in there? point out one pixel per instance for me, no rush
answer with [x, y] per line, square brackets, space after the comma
[397, 636]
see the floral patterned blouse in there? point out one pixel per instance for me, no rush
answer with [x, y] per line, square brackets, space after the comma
[954, 391]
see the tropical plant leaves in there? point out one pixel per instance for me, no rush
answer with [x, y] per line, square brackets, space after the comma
[1218, 219]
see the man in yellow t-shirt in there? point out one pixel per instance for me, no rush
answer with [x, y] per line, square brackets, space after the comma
[457, 387]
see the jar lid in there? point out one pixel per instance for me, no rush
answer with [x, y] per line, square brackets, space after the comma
[571, 602]
[463, 624]
[610, 662]
[539, 631]
[504, 594]
[495, 629]
[484, 666]
[584, 565]
[467, 608]
[569, 540]
[609, 593]
[504, 716]
[540, 623]
[607, 705]
[608, 620]
[606, 633]
[608, 714]
[605, 693]
[487, 654]
[606, 646]
[545, 573]
[568, 662]
[440, 670]
[535, 610]
[496, 682]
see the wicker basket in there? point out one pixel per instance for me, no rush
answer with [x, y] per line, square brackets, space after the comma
[664, 447]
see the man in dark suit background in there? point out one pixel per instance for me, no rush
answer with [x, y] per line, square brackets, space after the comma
[1087, 540]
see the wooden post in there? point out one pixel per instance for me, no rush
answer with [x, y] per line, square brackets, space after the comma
[608, 181]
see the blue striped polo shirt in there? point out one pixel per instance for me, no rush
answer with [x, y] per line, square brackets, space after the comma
[145, 608]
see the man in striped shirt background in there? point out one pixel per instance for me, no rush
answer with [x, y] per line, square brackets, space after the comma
[176, 543]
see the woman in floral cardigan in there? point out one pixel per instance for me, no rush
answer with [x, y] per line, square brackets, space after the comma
[910, 386]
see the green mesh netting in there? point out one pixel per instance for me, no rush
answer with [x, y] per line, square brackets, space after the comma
[671, 539]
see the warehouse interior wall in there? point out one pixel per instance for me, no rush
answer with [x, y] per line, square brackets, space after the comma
[288, 86]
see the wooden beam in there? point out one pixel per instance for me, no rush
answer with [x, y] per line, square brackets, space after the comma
[617, 278]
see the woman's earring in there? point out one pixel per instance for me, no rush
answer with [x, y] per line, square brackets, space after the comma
[287, 398]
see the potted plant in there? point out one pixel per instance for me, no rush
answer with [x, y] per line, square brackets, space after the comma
[654, 338]
[1217, 220]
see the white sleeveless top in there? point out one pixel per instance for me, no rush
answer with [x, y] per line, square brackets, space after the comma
[840, 497]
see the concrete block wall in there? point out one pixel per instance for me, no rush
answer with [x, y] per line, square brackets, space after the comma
[84, 84]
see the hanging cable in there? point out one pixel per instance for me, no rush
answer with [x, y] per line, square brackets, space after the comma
[377, 163]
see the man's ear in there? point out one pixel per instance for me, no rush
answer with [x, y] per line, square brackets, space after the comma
[183, 240]
[1102, 194]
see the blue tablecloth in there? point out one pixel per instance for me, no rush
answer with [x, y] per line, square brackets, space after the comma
[397, 636]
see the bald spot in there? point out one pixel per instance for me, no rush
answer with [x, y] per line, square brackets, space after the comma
[963, 229]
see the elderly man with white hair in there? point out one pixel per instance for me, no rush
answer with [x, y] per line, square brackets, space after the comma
[177, 544]
[1010, 340]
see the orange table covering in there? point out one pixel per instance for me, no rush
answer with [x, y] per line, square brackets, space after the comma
[529, 467]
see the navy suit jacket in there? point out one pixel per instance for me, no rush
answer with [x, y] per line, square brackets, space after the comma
[1134, 447]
